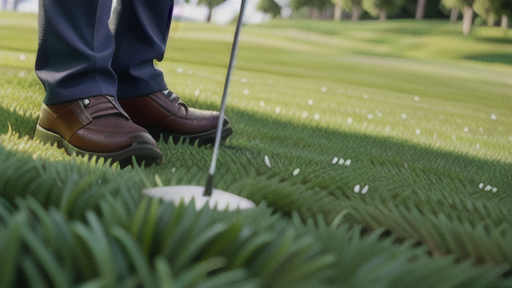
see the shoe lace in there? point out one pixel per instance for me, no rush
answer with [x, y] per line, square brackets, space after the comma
[174, 98]
[103, 106]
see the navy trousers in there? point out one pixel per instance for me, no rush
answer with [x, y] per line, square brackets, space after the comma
[79, 57]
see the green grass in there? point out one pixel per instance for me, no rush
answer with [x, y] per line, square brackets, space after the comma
[411, 104]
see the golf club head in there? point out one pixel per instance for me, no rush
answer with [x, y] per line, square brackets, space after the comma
[220, 200]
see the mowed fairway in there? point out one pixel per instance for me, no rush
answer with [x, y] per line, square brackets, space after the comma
[397, 135]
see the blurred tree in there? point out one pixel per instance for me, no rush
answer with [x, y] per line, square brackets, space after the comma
[270, 7]
[382, 8]
[354, 7]
[420, 9]
[502, 8]
[319, 4]
[485, 11]
[467, 16]
[337, 9]
[454, 7]
[210, 4]
[467, 12]
[431, 9]
[315, 5]
[286, 11]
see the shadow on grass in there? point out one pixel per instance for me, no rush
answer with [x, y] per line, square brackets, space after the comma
[378, 160]
[505, 58]
[23, 125]
[418, 29]
[414, 31]
[371, 156]
[501, 40]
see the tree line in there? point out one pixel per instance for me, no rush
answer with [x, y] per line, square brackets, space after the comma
[487, 11]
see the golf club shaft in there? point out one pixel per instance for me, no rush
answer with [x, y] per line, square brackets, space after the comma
[234, 49]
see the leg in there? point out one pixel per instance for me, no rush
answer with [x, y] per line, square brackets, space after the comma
[73, 62]
[141, 37]
[75, 50]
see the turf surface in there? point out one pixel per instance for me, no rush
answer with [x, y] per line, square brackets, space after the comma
[413, 114]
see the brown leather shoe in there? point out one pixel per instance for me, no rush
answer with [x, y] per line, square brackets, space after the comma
[164, 115]
[96, 126]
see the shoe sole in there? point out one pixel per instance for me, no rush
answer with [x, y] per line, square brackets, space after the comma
[144, 153]
[202, 139]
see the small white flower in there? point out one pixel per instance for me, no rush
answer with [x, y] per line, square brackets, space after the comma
[466, 129]
[173, 170]
[349, 120]
[179, 70]
[262, 104]
[378, 113]
[347, 163]
[317, 116]
[488, 188]
[23, 57]
[304, 114]
[197, 92]
[494, 117]
[341, 161]
[404, 116]
[278, 109]
[310, 102]
[323, 89]
[246, 91]
[267, 161]
[365, 189]
[418, 131]
[370, 116]
[416, 98]
[494, 190]
[356, 189]
[481, 185]
[334, 160]
[296, 171]
[365, 96]
[243, 80]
